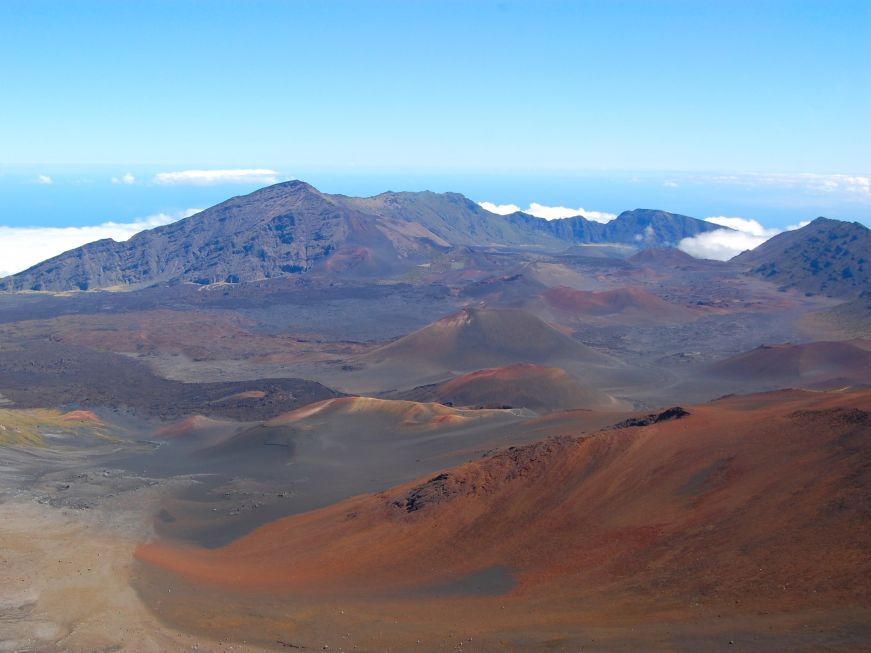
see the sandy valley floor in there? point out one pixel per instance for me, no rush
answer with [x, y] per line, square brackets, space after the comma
[65, 574]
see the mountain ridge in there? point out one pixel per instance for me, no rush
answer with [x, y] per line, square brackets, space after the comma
[292, 227]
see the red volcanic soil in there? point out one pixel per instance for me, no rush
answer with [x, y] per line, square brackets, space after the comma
[524, 385]
[247, 394]
[186, 426]
[81, 416]
[368, 411]
[349, 258]
[816, 364]
[750, 506]
[639, 305]
[358, 429]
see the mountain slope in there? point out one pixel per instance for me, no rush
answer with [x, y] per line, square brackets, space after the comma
[830, 257]
[477, 338]
[275, 231]
[852, 319]
[343, 422]
[292, 227]
[628, 305]
[750, 505]
[814, 364]
[454, 218]
[651, 228]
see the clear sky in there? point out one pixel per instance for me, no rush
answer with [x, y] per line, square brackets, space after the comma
[751, 108]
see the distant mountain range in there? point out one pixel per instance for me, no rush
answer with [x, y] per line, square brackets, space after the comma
[291, 228]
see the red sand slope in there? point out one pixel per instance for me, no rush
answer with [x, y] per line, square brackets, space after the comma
[86, 416]
[188, 425]
[760, 500]
[390, 413]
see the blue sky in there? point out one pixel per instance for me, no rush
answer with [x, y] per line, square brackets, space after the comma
[759, 109]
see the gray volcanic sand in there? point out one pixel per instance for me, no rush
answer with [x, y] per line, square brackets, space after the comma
[261, 473]
[72, 513]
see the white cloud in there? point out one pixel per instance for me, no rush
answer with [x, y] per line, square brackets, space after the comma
[548, 212]
[214, 177]
[856, 185]
[646, 236]
[598, 216]
[552, 212]
[44, 179]
[500, 209]
[723, 244]
[22, 247]
[127, 178]
[720, 245]
[558, 212]
[745, 225]
[827, 183]
[671, 184]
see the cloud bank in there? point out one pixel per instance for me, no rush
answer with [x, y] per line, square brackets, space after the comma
[44, 179]
[858, 186]
[215, 177]
[548, 212]
[22, 247]
[723, 244]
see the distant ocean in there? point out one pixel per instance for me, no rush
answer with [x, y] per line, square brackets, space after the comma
[83, 195]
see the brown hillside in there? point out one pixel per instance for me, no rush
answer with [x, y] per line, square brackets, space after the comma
[634, 304]
[524, 385]
[751, 503]
[805, 365]
[474, 339]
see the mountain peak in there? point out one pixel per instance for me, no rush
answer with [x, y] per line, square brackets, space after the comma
[654, 228]
[830, 257]
[295, 184]
[831, 223]
[291, 188]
